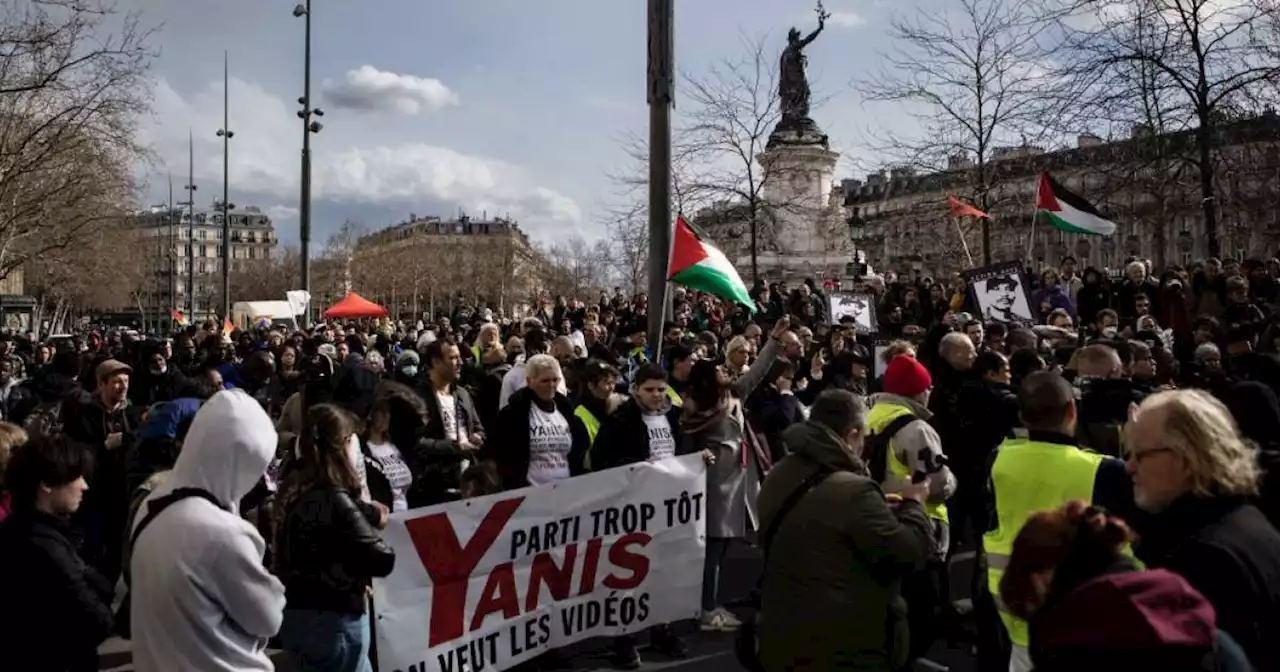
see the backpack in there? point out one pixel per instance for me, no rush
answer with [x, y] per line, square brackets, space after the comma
[45, 419]
[877, 446]
[153, 510]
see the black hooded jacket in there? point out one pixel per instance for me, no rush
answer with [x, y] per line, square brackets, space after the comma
[1103, 409]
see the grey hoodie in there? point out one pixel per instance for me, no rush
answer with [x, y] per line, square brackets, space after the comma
[202, 599]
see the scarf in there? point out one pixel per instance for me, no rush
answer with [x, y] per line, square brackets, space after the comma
[694, 420]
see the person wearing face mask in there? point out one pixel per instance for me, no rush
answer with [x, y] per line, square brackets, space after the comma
[406, 369]
[159, 382]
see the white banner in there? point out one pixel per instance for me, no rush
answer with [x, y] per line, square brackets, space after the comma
[491, 582]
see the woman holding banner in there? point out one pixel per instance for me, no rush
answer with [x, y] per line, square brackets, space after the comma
[538, 439]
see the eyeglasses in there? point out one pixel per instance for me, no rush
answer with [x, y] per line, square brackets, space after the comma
[1140, 456]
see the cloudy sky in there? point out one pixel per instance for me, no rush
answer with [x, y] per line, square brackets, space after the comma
[504, 106]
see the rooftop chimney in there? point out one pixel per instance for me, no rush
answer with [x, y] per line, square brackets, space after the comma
[1086, 140]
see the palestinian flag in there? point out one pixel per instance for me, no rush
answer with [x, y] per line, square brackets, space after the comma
[178, 317]
[698, 265]
[1068, 212]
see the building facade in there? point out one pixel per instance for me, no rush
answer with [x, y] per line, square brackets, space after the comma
[430, 264]
[1147, 184]
[181, 246]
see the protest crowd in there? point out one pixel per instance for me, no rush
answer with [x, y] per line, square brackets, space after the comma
[1112, 458]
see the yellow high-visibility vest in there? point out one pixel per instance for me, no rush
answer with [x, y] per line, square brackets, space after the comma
[1029, 477]
[880, 416]
[674, 397]
[593, 427]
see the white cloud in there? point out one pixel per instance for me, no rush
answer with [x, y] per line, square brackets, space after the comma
[846, 19]
[279, 213]
[370, 89]
[345, 166]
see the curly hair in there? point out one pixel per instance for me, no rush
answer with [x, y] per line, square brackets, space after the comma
[1201, 430]
[1074, 543]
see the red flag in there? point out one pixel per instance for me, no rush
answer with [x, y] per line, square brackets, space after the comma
[960, 209]
[227, 327]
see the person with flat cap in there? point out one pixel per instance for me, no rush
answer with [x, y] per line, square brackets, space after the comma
[104, 423]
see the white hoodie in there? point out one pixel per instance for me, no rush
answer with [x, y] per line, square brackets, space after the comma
[202, 599]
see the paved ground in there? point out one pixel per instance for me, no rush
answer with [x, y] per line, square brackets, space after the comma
[709, 652]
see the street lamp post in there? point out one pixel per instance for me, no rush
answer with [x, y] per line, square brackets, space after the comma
[303, 10]
[1186, 243]
[226, 134]
[191, 226]
[857, 231]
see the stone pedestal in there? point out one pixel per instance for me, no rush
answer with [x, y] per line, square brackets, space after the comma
[806, 236]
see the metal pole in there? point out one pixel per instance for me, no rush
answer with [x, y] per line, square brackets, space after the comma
[661, 95]
[173, 254]
[226, 208]
[191, 227]
[304, 207]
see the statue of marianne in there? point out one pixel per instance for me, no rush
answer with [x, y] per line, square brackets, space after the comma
[793, 84]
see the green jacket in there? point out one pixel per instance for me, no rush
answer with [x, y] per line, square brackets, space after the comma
[831, 596]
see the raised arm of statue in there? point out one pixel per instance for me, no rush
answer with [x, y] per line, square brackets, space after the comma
[823, 15]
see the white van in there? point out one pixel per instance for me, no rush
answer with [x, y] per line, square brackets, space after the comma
[249, 314]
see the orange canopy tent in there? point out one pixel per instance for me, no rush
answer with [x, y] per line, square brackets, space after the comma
[354, 305]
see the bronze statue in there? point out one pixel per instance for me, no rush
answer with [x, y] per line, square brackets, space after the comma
[793, 85]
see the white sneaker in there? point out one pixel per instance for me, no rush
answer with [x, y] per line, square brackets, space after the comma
[711, 621]
[731, 622]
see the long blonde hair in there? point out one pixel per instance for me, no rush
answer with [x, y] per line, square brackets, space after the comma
[1202, 431]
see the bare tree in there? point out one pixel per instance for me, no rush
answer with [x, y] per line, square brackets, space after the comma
[628, 241]
[728, 115]
[102, 272]
[267, 279]
[976, 80]
[73, 83]
[340, 250]
[575, 268]
[1214, 61]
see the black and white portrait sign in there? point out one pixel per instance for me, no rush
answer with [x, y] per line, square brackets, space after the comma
[1001, 293]
[860, 307]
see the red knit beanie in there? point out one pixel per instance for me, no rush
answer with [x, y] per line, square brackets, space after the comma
[906, 377]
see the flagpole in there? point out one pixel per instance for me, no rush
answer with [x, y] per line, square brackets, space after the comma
[963, 242]
[661, 95]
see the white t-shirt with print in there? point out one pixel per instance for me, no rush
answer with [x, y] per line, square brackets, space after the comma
[550, 440]
[661, 443]
[397, 472]
[453, 429]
